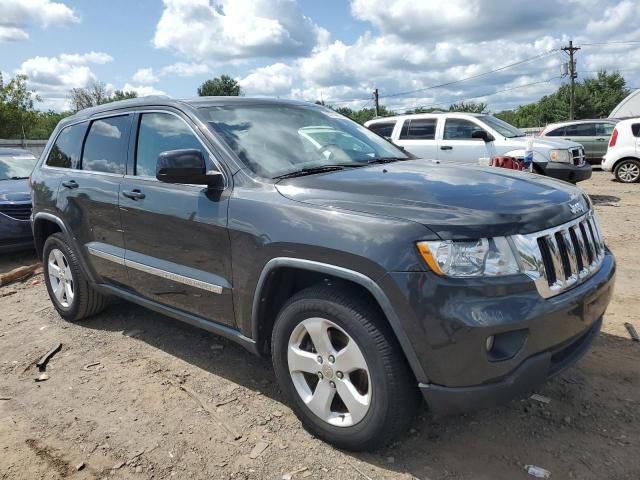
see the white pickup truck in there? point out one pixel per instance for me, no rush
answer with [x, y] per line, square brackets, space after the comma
[473, 139]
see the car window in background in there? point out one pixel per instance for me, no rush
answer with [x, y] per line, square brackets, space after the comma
[460, 129]
[581, 130]
[558, 132]
[384, 129]
[604, 129]
[419, 129]
[160, 132]
[105, 149]
[13, 167]
[323, 138]
[635, 129]
[503, 128]
[271, 139]
[65, 153]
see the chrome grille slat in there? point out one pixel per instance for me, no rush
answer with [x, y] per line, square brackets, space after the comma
[561, 257]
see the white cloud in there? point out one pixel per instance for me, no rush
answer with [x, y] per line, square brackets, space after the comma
[274, 79]
[182, 69]
[142, 90]
[145, 75]
[226, 30]
[17, 15]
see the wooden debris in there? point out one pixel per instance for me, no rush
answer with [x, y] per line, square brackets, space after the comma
[258, 450]
[42, 363]
[87, 367]
[224, 402]
[6, 294]
[632, 331]
[20, 273]
[43, 377]
[5, 398]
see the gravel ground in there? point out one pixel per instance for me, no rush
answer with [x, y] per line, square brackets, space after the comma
[133, 394]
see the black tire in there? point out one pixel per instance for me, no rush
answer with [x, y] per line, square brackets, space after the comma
[86, 301]
[394, 392]
[625, 170]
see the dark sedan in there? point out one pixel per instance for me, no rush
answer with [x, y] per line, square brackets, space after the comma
[15, 199]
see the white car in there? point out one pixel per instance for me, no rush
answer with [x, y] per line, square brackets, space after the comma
[473, 139]
[623, 155]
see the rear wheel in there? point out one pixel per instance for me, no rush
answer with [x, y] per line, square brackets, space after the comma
[341, 369]
[71, 294]
[628, 171]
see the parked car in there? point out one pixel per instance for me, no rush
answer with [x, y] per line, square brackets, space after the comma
[623, 154]
[469, 139]
[593, 135]
[15, 199]
[367, 276]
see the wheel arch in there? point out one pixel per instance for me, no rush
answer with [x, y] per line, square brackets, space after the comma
[295, 274]
[622, 159]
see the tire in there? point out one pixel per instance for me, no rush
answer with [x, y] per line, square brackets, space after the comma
[78, 299]
[387, 395]
[628, 171]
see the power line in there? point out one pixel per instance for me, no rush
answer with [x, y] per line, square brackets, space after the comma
[630, 42]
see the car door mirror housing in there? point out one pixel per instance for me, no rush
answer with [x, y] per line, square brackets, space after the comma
[187, 166]
[483, 135]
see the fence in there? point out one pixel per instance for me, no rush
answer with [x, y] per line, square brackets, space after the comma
[36, 146]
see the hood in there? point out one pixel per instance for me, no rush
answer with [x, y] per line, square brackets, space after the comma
[15, 191]
[540, 143]
[455, 203]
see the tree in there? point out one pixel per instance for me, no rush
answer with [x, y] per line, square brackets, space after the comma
[363, 115]
[96, 93]
[222, 86]
[16, 107]
[469, 107]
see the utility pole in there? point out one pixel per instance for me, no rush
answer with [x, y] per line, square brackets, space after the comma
[573, 75]
[375, 101]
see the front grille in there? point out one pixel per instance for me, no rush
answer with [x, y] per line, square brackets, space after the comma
[577, 156]
[562, 257]
[17, 211]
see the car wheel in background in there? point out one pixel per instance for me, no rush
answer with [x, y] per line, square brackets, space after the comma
[628, 171]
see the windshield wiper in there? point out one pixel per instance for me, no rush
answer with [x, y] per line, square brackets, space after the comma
[310, 171]
[17, 178]
[386, 160]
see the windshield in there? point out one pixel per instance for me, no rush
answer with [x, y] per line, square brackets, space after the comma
[276, 140]
[503, 128]
[15, 167]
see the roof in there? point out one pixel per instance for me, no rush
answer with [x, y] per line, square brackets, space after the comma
[6, 152]
[424, 115]
[579, 122]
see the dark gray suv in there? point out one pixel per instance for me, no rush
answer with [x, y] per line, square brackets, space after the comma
[368, 276]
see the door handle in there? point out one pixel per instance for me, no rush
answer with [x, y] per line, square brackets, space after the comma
[446, 147]
[601, 140]
[70, 184]
[134, 194]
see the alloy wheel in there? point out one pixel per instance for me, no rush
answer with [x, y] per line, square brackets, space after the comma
[329, 372]
[60, 277]
[629, 172]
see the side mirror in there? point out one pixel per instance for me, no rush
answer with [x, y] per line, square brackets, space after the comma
[187, 166]
[483, 135]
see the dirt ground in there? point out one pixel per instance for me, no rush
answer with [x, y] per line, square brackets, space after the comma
[133, 394]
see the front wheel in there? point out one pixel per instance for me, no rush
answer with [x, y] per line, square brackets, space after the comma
[341, 370]
[628, 171]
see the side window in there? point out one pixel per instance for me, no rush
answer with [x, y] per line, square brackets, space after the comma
[581, 130]
[558, 132]
[159, 132]
[419, 129]
[604, 129]
[384, 129]
[65, 153]
[460, 129]
[105, 149]
[635, 129]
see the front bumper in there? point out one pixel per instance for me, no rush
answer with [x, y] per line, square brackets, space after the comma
[568, 172]
[449, 321]
[15, 234]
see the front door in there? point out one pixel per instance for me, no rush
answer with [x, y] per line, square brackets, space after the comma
[88, 193]
[177, 244]
[458, 147]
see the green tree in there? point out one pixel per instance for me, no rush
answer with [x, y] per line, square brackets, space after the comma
[16, 107]
[222, 86]
[469, 107]
[363, 115]
[44, 123]
[96, 93]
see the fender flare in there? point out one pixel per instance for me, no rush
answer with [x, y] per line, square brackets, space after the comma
[349, 275]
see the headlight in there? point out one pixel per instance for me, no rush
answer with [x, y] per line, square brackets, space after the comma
[560, 156]
[487, 257]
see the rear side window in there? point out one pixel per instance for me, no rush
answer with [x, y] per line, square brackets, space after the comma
[419, 129]
[384, 129]
[158, 133]
[604, 129]
[65, 153]
[558, 132]
[635, 128]
[459, 129]
[581, 130]
[105, 149]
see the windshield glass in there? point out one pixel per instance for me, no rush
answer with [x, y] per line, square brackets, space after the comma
[275, 140]
[18, 166]
[503, 128]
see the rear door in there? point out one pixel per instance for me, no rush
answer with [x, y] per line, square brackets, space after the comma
[585, 135]
[384, 129]
[88, 194]
[418, 136]
[458, 147]
[177, 244]
[601, 140]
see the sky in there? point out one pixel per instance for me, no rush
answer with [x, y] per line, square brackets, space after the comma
[337, 51]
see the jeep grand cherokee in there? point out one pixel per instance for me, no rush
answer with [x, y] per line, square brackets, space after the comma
[368, 276]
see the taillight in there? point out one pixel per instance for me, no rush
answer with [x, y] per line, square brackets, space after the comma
[614, 138]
